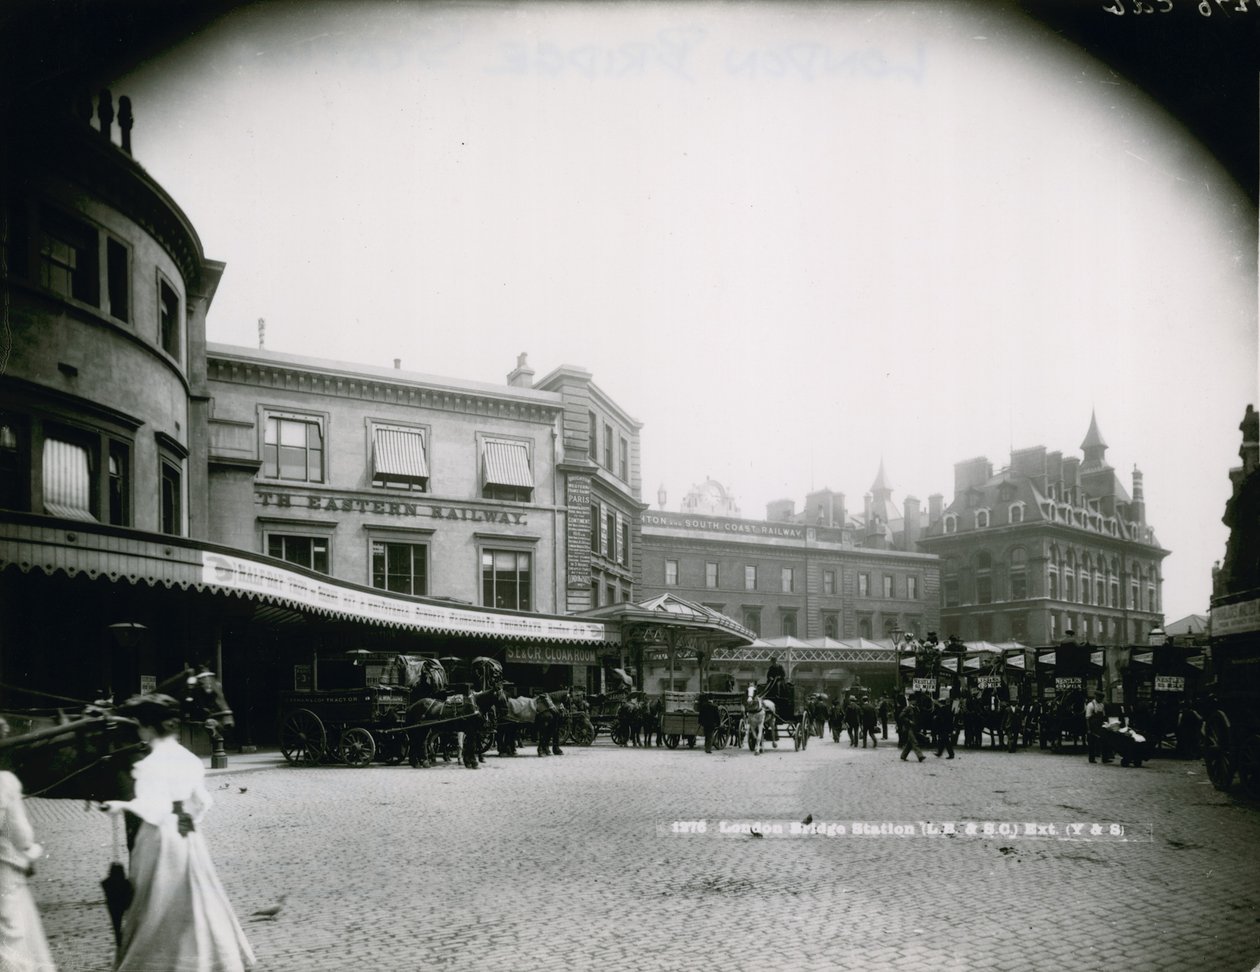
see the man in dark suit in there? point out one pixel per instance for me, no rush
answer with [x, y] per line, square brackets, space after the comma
[943, 726]
[710, 718]
[907, 723]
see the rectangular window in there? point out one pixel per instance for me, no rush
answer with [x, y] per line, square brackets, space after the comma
[608, 448]
[67, 480]
[505, 579]
[831, 624]
[984, 589]
[172, 511]
[864, 585]
[888, 585]
[787, 578]
[119, 484]
[68, 262]
[15, 239]
[610, 535]
[623, 557]
[750, 577]
[671, 573]
[13, 476]
[398, 458]
[597, 527]
[118, 279]
[171, 328]
[829, 583]
[610, 593]
[711, 575]
[623, 459]
[308, 552]
[592, 446]
[594, 593]
[402, 568]
[293, 448]
[912, 588]
[949, 588]
[505, 471]
[1019, 586]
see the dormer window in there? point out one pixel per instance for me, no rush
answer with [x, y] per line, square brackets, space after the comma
[951, 523]
[1017, 513]
[982, 519]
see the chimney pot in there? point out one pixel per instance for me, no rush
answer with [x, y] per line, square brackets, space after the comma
[397, 363]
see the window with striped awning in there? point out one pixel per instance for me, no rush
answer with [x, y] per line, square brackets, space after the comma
[67, 480]
[506, 464]
[398, 457]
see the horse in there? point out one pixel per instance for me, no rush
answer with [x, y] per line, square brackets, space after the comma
[756, 710]
[634, 720]
[543, 713]
[89, 756]
[465, 714]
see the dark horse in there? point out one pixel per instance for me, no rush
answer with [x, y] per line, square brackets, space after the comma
[429, 717]
[89, 756]
[544, 714]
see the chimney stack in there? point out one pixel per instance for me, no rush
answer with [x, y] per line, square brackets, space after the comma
[1138, 506]
[262, 332]
[522, 376]
[936, 506]
[911, 523]
[397, 364]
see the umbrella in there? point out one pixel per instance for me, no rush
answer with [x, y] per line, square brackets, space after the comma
[118, 889]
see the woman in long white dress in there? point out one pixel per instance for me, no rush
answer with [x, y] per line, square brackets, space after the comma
[180, 919]
[23, 947]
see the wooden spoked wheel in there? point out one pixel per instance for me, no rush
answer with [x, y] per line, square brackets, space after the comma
[722, 733]
[1218, 755]
[302, 737]
[671, 741]
[358, 748]
[618, 735]
[1249, 764]
[487, 739]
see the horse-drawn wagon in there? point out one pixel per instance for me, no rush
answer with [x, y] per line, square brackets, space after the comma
[1230, 737]
[371, 707]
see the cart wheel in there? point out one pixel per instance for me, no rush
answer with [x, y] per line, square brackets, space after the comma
[618, 735]
[396, 748]
[800, 738]
[1249, 764]
[671, 741]
[358, 748]
[691, 742]
[432, 747]
[302, 737]
[583, 734]
[1218, 754]
[487, 740]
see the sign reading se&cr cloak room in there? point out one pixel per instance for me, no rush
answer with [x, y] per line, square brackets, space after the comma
[550, 655]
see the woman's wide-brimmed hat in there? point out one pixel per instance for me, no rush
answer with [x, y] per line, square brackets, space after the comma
[150, 710]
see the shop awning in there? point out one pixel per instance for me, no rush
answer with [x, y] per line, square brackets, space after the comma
[398, 454]
[67, 481]
[506, 464]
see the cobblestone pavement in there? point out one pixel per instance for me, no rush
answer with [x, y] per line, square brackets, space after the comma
[572, 861]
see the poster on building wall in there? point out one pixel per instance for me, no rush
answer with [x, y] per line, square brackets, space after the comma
[924, 685]
[1067, 683]
[578, 538]
[1170, 683]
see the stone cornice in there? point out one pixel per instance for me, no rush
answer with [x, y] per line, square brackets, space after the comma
[295, 378]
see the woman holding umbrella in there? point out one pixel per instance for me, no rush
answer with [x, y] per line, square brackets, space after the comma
[180, 917]
[23, 947]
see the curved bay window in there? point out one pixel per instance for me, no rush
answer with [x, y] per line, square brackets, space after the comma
[506, 579]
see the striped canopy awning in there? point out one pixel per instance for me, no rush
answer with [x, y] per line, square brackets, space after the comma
[398, 454]
[507, 464]
[67, 480]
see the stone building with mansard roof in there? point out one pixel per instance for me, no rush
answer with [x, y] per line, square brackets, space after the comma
[1050, 544]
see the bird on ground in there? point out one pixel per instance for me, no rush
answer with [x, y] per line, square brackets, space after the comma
[244, 789]
[755, 833]
[809, 819]
[269, 914]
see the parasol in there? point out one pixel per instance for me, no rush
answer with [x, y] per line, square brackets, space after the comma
[118, 889]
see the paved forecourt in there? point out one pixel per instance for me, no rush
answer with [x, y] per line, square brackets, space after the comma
[591, 860]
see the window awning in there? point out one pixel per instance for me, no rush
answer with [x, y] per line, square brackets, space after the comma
[67, 480]
[399, 454]
[506, 464]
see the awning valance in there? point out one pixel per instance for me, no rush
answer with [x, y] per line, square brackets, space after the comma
[506, 464]
[67, 480]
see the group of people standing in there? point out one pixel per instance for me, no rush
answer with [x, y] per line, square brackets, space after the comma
[179, 917]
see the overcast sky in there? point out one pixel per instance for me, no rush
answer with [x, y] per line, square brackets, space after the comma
[791, 240]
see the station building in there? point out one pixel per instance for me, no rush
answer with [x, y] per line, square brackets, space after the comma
[814, 574]
[164, 503]
[1050, 546]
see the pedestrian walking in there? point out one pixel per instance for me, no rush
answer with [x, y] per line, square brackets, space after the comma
[884, 707]
[869, 716]
[943, 719]
[906, 725]
[23, 947]
[180, 919]
[852, 719]
[1011, 725]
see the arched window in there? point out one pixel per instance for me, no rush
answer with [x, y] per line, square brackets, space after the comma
[951, 523]
[1017, 513]
[982, 519]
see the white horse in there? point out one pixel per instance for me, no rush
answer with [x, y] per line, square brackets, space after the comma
[756, 711]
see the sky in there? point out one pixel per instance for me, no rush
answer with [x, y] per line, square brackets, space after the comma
[793, 241]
